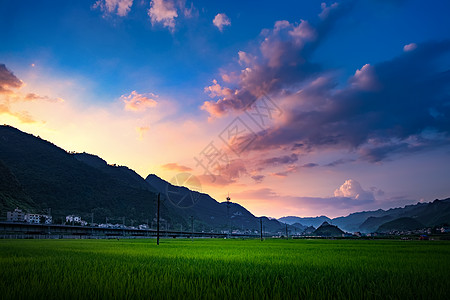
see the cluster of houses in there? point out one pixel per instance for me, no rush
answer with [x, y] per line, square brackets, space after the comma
[18, 215]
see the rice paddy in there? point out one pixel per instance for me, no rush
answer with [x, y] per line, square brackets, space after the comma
[231, 269]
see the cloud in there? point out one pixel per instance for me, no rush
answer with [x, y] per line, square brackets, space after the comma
[283, 59]
[221, 20]
[176, 167]
[258, 178]
[338, 162]
[163, 11]
[410, 47]
[34, 97]
[396, 106]
[119, 7]
[10, 93]
[280, 160]
[310, 165]
[352, 189]
[166, 12]
[8, 81]
[139, 102]
[289, 170]
[365, 79]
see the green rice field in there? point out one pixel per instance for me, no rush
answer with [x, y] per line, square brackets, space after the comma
[224, 269]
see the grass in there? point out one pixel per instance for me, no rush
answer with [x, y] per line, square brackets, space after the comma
[232, 269]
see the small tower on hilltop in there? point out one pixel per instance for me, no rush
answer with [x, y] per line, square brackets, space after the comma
[228, 213]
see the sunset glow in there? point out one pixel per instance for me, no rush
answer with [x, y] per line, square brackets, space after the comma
[293, 108]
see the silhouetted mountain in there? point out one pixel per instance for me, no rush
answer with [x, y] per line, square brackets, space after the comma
[371, 224]
[207, 212]
[119, 173]
[328, 230]
[430, 214]
[400, 224]
[69, 183]
[313, 221]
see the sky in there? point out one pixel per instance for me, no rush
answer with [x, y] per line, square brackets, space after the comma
[301, 108]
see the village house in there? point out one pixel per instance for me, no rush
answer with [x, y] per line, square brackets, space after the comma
[15, 216]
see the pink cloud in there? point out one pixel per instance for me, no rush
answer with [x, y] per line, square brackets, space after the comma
[352, 189]
[138, 102]
[410, 47]
[365, 78]
[119, 7]
[163, 11]
[221, 20]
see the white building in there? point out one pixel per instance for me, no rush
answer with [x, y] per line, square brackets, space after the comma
[75, 219]
[15, 216]
[33, 218]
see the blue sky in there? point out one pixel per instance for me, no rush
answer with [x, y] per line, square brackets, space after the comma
[362, 86]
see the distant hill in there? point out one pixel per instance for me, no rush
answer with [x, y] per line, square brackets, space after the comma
[328, 230]
[430, 214]
[313, 221]
[400, 224]
[371, 224]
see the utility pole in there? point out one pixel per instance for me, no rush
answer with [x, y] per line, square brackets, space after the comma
[192, 227]
[92, 223]
[123, 223]
[157, 221]
[260, 222]
[287, 235]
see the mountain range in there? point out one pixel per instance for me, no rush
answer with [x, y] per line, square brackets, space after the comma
[37, 175]
[429, 214]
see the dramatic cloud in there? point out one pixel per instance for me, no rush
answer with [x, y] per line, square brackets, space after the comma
[176, 167]
[221, 20]
[352, 189]
[119, 7]
[138, 102]
[398, 106]
[282, 60]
